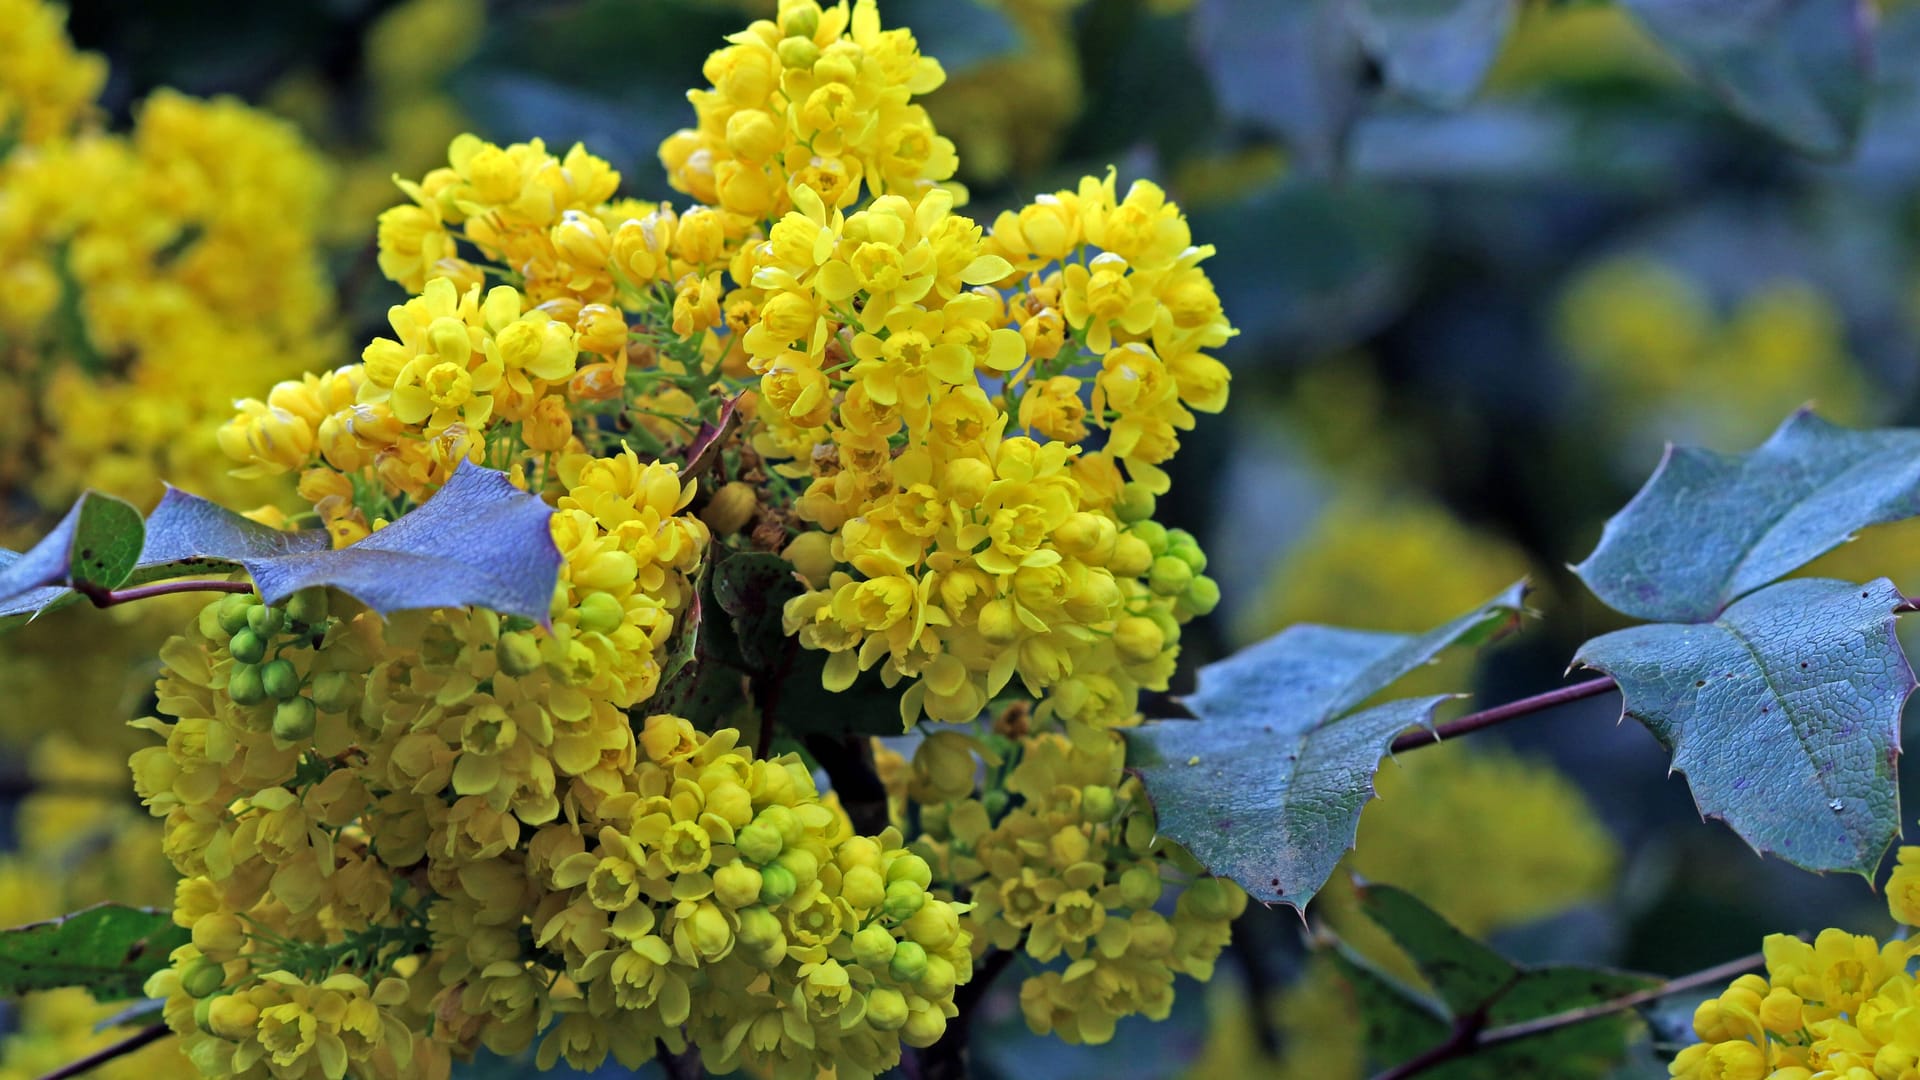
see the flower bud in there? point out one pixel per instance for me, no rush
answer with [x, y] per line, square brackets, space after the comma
[1169, 576]
[218, 934]
[759, 927]
[232, 615]
[279, 679]
[801, 863]
[886, 1008]
[938, 980]
[1181, 545]
[910, 867]
[998, 623]
[1153, 534]
[909, 961]
[758, 842]
[600, 613]
[244, 685]
[730, 508]
[1096, 803]
[1131, 556]
[924, 1028]
[308, 606]
[1210, 898]
[1202, 595]
[798, 52]
[934, 926]
[736, 884]
[265, 621]
[293, 720]
[874, 947]
[863, 888]
[202, 977]
[1136, 503]
[800, 20]
[333, 691]
[783, 820]
[776, 885]
[248, 647]
[1140, 886]
[1138, 640]
[904, 898]
[811, 553]
[230, 1017]
[518, 654]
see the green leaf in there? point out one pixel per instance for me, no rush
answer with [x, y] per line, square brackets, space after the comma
[108, 949]
[1797, 68]
[1784, 714]
[1266, 785]
[478, 541]
[752, 588]
[94, 548]
[1476, 983]
[1709, 528]
[1435, 51]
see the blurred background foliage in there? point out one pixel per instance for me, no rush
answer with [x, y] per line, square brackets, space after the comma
[1484, 264]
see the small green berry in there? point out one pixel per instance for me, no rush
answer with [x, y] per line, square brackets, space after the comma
[265, 621]
[280, 679]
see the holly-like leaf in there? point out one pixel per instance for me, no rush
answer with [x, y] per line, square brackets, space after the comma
[29, 604]
[1709, 528]
[1800, 69]
[1783, 713]
[1266, 785]
[478, 541]
[1472, 981]
[108, 949]
[1435, 51]
[94, 548]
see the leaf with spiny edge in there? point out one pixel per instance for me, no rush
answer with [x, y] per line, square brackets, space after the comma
[108, 949]
[1266, 785]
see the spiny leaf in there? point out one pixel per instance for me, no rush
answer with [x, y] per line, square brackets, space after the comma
[1436, 51]
[1473, 980]
[1266, 786]
[107, 949]
[93, 548]
[1800, 69]
[1784, 715]
[478, 541]
[1709, 528]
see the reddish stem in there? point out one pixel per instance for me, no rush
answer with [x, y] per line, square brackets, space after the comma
[1502, 713]
[110, 597]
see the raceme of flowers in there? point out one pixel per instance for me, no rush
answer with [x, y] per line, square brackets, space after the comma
[1842, 1006]
[401, 841]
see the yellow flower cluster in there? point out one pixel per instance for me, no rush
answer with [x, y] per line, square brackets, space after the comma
[1058, 854]
[138, 268]
[1843, 1006]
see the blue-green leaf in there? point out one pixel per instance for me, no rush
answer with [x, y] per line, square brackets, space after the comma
[1435, 51]
[478, 541]
[1797, 68]
[1783, 713]
[1266, 785]
[1710, 527]
[108, 949]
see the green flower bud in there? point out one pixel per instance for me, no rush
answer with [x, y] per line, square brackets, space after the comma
[904, 898]
[910, 867]
[1202, 595]
[308, 607]
[938, 980]
[202, 977]
[798, 52]
[1169, 576]
[737, 884]
[265, 621]
[924, 1028]
[776, 885]
[600, 613]
[232, 615]
[1139, 833]
[1181, 545]
[802, 20]
[1153, 534]
[248, 647]
[783, 821]
[995, 802]
[244, 685]
[886, 1008]
[1136, 503]
[279, 678]
[333, 691]
[293, 720]
[934, 926]
[1096, 803]
[1140, 886]
[801, 863]
[203, 1015]
[1208, 898]
[758, 842]
[1131, 556]
[759, 927]
[874, 946]
[909, 962]
[518, 654]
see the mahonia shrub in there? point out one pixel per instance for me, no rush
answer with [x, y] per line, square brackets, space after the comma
[402, 840]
